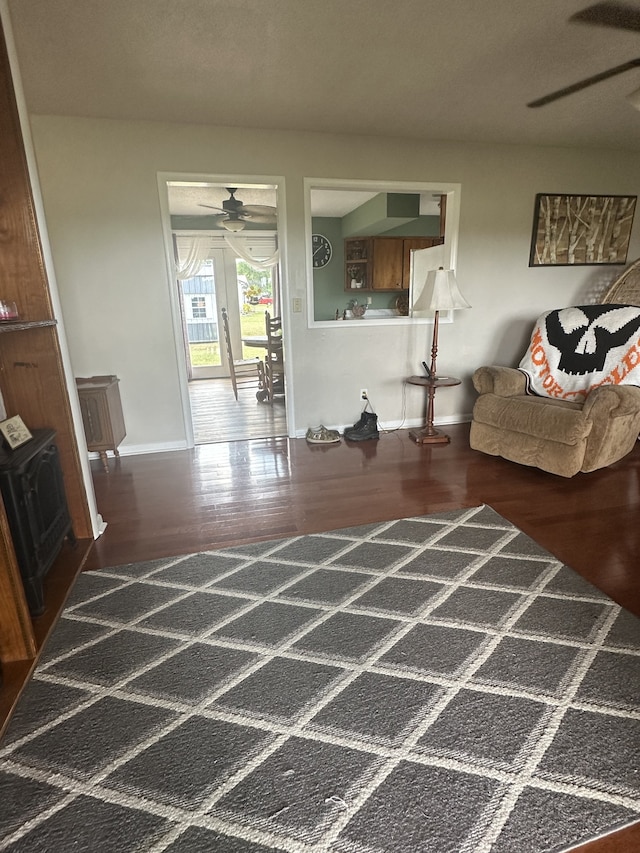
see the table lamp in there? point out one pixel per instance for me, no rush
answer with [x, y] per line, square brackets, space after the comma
[440, 293]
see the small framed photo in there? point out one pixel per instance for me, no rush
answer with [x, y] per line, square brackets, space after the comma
[15, 432]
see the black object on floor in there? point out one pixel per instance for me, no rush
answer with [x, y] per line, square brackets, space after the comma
[364, 429]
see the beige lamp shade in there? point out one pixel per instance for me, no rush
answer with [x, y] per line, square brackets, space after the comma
[440, 293]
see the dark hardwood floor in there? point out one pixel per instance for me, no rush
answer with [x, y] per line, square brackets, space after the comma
[221, 494]
[226, 493]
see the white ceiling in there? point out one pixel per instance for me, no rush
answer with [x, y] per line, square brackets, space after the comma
[186, 199]
[189, 199]
[192, 199]
[426, 69]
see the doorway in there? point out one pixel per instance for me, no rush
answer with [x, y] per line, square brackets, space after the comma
[201, 298]
[224, 281]
[237, 271]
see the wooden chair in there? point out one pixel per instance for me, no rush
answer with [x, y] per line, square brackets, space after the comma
[240, 369]
[273, 360]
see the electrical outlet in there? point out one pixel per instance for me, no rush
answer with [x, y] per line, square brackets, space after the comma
[364, 394]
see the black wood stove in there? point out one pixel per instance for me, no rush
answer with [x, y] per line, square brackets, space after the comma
[32, 489]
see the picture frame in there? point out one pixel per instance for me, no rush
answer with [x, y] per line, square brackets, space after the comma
[581, 230]
[15, 432]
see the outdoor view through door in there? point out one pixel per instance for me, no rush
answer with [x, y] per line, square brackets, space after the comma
[236, 274]
[202, 297]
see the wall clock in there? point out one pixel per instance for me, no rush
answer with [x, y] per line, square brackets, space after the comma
[321, 249]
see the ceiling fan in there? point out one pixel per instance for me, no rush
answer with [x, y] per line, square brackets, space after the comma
[607, 14]
[234, 214]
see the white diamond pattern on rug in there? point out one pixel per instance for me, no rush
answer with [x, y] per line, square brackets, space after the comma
[437, 683]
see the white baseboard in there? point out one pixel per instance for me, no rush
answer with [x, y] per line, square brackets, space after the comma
[390, 426]
[138, 449]
[166, 447]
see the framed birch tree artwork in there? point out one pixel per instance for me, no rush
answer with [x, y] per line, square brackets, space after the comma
[573, 230]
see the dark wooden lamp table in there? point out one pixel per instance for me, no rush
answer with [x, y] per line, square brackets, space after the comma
[430, 435]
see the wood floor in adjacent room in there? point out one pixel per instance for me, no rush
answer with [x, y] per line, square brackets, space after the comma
[225, 493]
[217, 415]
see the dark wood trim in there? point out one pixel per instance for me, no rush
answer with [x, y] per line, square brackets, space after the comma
[18, 326]
[32, 381]
[58, 583]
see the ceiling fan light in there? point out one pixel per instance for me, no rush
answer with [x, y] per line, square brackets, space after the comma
[233, 224]
[634, 99]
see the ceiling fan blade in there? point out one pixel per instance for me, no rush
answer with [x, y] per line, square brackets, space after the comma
[233, 209]
[253, 210]
[616, 15]
[266, 221]
[583, 84]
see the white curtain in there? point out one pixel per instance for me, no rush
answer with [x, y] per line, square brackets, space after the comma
[191, 256]
[236, 243]
[192, 250]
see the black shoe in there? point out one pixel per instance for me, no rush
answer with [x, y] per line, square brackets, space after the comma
[358, 424]
[367, 427]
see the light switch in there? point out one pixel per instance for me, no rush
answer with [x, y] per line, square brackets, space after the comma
[297, 305]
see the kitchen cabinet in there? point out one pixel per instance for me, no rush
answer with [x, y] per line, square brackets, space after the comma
[386, 271]
[357, 258]
[410, 244]
[381, 264]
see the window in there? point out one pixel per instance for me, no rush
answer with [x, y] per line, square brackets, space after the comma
[198, 307]
[347, 213]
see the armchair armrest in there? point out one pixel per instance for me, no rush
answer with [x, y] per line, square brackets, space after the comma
[503, 381]
[618, 400]
[614, 412]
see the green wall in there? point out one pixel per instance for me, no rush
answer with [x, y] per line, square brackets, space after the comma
[328, 283]
[423, 226]
[329, 294]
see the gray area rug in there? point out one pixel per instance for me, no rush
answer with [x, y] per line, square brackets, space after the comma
[433, 684]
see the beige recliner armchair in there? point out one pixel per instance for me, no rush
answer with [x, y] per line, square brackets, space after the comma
[569, 432]
[555, 435]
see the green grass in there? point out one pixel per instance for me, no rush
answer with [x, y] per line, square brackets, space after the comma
[252, 325]
[204, 355]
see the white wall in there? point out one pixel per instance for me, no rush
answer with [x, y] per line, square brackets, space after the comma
[99, 183]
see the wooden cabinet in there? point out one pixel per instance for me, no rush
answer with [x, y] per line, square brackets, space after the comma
[357, 259]
[410, 244]
[102, 415]
[33, 385]
[386, 271]
[381, 263]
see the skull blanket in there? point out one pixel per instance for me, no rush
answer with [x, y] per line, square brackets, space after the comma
[573, 350]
